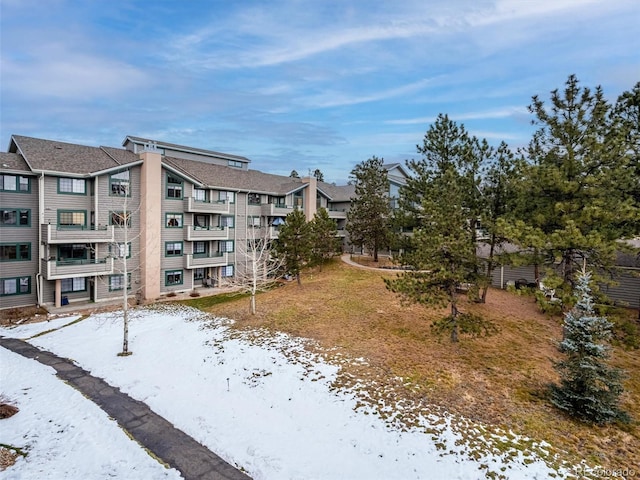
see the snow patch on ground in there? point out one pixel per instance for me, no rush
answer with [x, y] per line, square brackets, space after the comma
[278, 407]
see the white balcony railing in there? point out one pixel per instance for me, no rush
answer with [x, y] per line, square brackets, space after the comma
[56, 269]
[61, 234]
[207, 260]
[201, 206]
[192, 233]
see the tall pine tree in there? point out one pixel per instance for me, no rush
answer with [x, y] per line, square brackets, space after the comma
[589, 389]
[368, 218]
[574, 205]
[293, 245]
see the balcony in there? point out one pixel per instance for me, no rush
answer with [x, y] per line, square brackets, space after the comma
[276, 210]
[201, 260]
[193, 234]
[56, 269]
[201, 206]
[337, 214]
[58, 234]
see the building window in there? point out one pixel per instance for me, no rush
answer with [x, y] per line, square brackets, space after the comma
[75, 251]
[15, 286]
[200, 194]
[201, 222]
[173, 249]
[120, 219]
[76, 186]
[12, 252]
[227, 271]
[227, 221]
[298, 199]
[15, 218]
[199, 248]
[116, 282]
[174, 187]
[225, 246]
[72, 218]
[173, 277]
[15, 183]
[119, 184]
[253, 199]
[173, 220]
[69, 285]
[198, 274]
[235, 163]
[119, 250]
[224, 197]
[253, 222]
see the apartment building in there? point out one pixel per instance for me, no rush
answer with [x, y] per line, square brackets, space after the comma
[74, 218]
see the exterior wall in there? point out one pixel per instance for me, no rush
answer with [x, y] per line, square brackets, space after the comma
[509, 273]
[627, 292]
[173, 234]
[151, 194]
[12, 269]
[107, 203]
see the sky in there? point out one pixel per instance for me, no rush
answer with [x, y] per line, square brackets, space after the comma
[293, 84]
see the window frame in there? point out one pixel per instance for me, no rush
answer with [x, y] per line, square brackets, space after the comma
[126, 221]
[73, 285]
[233, 221]
[173, 185]
[226, 243]
[72, 225]
[113, 181]
[167, 273]
[117, 246]
[18, 217]
[73, 184]
[18, 183]
[18, 285]
[166, 249]
[173, 216]
[224, 270]
[17, 246]
[119, 275]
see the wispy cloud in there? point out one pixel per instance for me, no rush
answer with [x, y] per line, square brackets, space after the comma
[488, 114]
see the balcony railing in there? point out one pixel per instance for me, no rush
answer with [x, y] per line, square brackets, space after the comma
[276, 210]
[56, 269]
[68, 234]
[205, 233]
[337, 214]
[205, 206]
[200, 260]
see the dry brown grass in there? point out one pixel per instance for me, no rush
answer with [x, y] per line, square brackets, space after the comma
[498, 381]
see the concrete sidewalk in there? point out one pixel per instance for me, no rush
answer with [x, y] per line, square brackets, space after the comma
[170, 445]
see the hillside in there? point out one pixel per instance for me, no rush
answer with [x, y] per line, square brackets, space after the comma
[499, 381]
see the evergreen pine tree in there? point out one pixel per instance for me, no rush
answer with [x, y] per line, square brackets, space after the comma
[368, 218]
[293, 245]
[589, 388]
[324, 237]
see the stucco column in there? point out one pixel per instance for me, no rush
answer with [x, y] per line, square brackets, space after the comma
[150, 223]
[58, 298]
[310, 197]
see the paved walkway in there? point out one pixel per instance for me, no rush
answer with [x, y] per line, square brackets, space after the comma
[170, 445]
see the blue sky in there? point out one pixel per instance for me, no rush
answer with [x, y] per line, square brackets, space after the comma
[301, 84]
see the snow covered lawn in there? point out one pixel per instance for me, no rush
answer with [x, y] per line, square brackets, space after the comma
[260, 401]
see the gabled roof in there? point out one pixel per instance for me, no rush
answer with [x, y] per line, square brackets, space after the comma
[12, 162]
[67, 158]
[221, 176]
[183, 148]
[335, 193]
[396, 172]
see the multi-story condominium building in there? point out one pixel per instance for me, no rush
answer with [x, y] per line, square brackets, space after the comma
[74, 218]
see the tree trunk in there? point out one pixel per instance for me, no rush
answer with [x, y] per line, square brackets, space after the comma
[298, 278]
[253, 303]
[454, 315]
